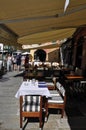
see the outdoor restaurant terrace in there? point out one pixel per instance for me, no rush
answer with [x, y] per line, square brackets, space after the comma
[46, 86]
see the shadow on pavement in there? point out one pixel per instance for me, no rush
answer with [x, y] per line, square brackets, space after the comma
[76, 113]
[4, 79]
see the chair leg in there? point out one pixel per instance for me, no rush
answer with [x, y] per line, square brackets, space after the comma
[21, 118]
[46, 108]
[62, 113]
[20, 121]
[40, 122]
[21, 125]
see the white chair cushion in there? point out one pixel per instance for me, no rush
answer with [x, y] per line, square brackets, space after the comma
[50, 83]
[55, 99]
[54, 92]
[31, 103]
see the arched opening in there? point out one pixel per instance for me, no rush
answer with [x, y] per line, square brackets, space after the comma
[40, 55]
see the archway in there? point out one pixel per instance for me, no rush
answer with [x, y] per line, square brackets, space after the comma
[40, 55]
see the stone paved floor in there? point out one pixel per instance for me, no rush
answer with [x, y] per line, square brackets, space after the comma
[9, 108]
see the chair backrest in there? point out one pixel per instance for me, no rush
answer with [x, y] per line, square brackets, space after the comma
[51, 85]
[61, 89]
[31, 103]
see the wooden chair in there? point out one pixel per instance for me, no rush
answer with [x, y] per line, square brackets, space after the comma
[51, 85]
[57, 99]
[30, 106]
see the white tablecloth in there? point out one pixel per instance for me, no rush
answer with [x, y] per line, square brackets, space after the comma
[29, 88]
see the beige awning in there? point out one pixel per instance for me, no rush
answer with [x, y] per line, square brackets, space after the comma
[40, 21]
[43, 37]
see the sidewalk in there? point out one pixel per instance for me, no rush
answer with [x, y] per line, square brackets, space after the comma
[9, 107]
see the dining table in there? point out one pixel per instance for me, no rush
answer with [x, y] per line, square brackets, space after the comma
[33, 87]
[74, 77]
[73, 84]
[35, 74]
[71, 79]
